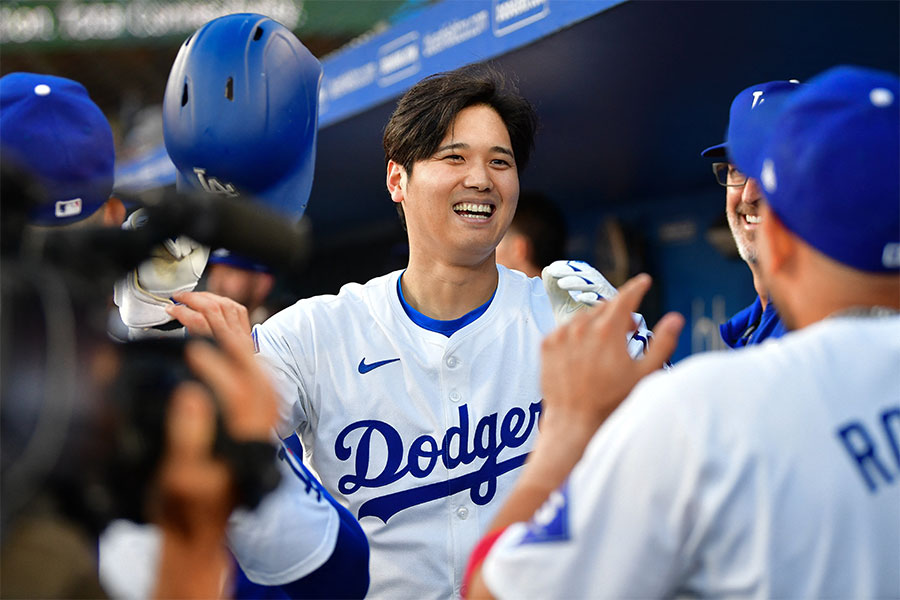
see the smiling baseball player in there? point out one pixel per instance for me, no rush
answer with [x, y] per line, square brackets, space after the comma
[416, 394]
[743, 195]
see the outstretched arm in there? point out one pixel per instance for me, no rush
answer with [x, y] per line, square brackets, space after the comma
[301, 502]
[586, 372]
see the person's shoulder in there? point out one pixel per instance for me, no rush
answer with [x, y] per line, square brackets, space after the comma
[845, 339]
[349, 293]
[521, 292]
[352, 298]
[518, 283]
[731, 400]
[766, 367]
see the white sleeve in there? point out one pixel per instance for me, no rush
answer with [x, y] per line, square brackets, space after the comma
[278, 352]
[289, 535]
[618, 527]
[128, 559]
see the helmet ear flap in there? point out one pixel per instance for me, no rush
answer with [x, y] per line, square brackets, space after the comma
[240, 112]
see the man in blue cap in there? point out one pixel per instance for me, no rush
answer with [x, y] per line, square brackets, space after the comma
[749, 110]
[791, 488]
[245, 281]
[51, 130]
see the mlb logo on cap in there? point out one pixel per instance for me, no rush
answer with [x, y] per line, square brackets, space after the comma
[68, 208]
[891, 256]
[53, 131]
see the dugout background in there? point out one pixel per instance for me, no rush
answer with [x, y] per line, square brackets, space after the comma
[628, 94]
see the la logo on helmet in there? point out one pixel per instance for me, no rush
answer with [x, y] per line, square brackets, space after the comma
[212, 185]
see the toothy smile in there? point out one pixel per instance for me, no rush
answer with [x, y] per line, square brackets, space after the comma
[473, 210]
[753, 219]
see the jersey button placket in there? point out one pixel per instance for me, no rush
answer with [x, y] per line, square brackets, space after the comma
[454, 396]
[463, 513]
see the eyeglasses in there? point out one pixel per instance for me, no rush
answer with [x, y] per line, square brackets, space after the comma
[727, 175]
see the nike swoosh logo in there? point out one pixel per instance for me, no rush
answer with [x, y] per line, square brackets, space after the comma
[364, 368]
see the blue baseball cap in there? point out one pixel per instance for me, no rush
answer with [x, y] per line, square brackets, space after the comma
[751, 112]
[239, 261]
[52, 130]
[829, 166]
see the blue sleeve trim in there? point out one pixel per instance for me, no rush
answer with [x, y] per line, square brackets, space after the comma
[346, 572]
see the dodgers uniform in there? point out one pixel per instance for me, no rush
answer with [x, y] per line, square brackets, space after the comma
[774, 473]
[753, 325]
[416, 427]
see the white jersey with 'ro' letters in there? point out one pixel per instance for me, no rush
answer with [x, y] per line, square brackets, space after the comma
[771, 472]
[420, 435]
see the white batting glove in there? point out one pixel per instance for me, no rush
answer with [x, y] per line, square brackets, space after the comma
[574, 285]
[143, 295]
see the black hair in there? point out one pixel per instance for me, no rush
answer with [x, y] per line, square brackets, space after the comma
[427, 110]
[542, 222]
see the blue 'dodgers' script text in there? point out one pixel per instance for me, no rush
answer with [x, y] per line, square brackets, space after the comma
[492, 434]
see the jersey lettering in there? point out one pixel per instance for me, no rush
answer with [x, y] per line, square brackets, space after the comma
[876, 464]
[455, 448]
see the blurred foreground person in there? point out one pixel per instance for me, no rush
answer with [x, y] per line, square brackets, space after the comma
[68, 435]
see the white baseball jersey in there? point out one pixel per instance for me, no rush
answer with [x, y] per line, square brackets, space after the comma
[417, 433]
[773, 472]
[289, 535]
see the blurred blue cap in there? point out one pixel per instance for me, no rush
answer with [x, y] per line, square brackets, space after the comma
[829, 166]
[226, 257]
[53, 131]
[752, 111]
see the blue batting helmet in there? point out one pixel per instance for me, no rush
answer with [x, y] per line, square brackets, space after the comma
[240, 112]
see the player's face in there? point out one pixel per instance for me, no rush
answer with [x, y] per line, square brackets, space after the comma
[459, 202]
[742, 210]
[244, 287]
